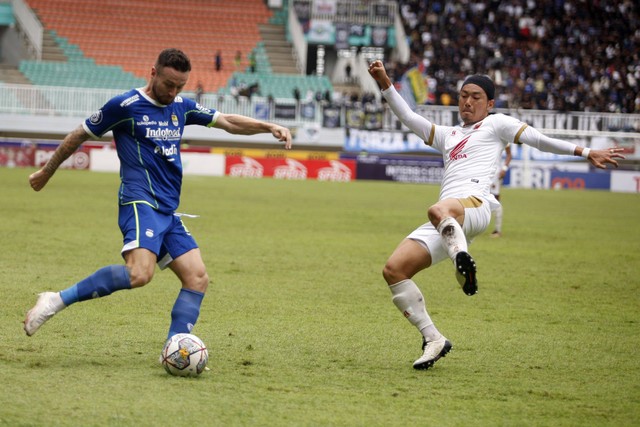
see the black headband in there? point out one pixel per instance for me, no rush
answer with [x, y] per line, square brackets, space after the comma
[484, 82]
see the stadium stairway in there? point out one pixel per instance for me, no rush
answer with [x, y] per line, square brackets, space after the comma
[11, 75]
[277, 49]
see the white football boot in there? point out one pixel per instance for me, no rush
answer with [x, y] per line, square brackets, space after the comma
[433, 350]
[48, 304]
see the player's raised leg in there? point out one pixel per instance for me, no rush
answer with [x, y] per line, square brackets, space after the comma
[101, 283]
[446, 216]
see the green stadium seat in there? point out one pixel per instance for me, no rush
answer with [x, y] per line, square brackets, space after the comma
[6, 14]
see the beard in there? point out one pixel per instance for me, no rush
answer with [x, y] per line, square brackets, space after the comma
[162, 98]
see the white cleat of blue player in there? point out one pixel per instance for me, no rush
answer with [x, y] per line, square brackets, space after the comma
[48, 304]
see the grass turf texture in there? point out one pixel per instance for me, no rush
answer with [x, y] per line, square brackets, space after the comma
[300, 327]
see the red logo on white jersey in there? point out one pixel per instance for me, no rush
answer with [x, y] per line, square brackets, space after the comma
[456, 154]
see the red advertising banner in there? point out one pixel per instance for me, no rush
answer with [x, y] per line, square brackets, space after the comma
[322, 170]
[28, 153]
[78, 160]
[17, 155]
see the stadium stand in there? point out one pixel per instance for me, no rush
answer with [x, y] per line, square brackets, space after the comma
[77, 71]
[124, 33]
[543, 55]
[548, 54]
[103, 48]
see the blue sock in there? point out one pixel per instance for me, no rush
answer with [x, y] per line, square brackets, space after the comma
[101, 283]
[185, 312]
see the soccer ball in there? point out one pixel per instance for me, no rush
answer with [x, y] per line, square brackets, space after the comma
[185, 355]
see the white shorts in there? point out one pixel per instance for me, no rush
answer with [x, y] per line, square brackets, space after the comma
[477, 216]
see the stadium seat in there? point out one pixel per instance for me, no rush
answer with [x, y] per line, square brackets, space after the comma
[86, 29]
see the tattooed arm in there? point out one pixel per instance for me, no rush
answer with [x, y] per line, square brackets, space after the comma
[69, 145]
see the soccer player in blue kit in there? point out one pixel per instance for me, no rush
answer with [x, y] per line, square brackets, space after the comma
[147, 125]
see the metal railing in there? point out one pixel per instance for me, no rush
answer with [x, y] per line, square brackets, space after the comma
[82, 102]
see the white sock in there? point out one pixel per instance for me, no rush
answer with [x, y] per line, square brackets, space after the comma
[59, 304]
[453, 238]
[409, 300]
[430, 333]
[498, 224]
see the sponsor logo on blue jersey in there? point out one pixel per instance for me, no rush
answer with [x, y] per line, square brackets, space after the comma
[130, 100]
[168, 152]
[161, 133]
[145, 122]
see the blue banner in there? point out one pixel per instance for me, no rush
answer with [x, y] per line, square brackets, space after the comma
[357, 140]
[580, 180]
[418, 170]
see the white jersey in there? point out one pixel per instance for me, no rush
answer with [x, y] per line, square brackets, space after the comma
[472, 155]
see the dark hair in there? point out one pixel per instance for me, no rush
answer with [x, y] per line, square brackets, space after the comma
[484, 82]
[173, 58]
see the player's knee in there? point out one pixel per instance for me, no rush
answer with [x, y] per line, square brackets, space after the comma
[203, 282]
[197, 281]
[436, 214]
[391, 273]
[140, 276]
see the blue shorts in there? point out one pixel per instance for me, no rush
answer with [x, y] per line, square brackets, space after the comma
[163, 234]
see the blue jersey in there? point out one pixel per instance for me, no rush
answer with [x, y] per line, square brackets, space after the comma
[147, 136]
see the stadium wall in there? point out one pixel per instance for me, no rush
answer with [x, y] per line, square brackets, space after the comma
[330, 142]
[12, 48]
[325, 166]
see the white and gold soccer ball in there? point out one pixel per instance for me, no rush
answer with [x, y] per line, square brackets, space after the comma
[185, 355]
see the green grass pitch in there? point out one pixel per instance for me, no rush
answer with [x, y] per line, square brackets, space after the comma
[300, 327]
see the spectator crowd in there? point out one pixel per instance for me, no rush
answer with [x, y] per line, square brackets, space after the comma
[567, 55]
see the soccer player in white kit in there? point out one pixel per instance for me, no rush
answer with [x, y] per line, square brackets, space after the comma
[471, 153]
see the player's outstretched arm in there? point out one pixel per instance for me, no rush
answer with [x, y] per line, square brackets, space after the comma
[243, 125]
[69, 145]
[598, 158]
